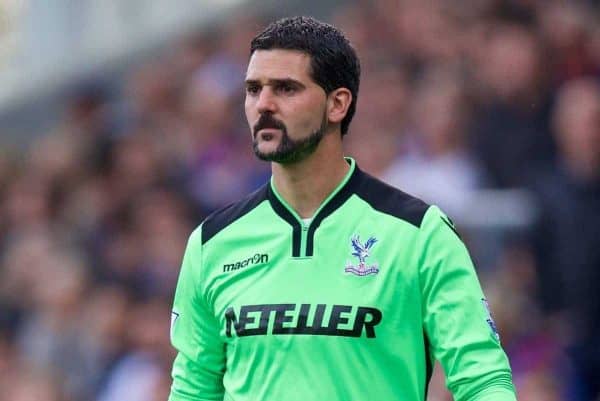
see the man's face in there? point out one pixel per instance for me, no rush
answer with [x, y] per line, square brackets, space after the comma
[285, 108]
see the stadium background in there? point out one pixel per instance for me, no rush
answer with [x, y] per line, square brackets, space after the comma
[122, 126]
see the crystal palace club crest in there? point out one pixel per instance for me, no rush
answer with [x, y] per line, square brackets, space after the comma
[362, 252]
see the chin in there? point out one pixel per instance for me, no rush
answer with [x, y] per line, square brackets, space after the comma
[267, 148]
[264, 150]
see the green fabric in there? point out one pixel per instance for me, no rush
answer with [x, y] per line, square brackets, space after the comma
[426, 292]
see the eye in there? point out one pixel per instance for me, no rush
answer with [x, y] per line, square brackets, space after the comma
[285, 88]
[252, 89]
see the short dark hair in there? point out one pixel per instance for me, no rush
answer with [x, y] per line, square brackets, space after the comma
[334, 63]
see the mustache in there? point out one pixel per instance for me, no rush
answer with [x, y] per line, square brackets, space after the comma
[268, 121]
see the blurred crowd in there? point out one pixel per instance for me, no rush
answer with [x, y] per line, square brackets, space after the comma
[456, 97]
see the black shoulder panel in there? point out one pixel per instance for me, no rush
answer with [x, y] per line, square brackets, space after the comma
[221, 218]
[390, 200]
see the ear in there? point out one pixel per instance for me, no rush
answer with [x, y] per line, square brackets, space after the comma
[338, 103]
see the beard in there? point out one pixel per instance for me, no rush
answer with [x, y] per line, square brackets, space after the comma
[288, 151]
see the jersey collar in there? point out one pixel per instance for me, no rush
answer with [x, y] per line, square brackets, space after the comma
[337, 198]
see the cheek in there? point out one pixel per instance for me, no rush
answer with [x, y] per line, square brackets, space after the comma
[250, 112]
[308, 118]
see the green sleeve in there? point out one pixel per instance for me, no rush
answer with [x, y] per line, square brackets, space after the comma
[200, 363]
[459, 328]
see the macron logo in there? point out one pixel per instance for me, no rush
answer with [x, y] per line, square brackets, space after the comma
[259, 258]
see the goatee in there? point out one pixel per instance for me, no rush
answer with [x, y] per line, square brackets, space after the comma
[290, 151]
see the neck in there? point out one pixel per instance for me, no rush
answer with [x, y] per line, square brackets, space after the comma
[306, 184]
[582, 167]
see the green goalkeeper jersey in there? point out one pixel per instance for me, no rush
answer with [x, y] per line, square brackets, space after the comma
[354, 306]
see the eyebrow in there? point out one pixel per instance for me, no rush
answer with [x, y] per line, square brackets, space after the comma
[276, 81]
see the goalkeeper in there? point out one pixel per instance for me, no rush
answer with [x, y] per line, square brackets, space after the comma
[325, 284]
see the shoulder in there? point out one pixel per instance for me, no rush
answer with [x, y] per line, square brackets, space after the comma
[221, 218]
[390, 200]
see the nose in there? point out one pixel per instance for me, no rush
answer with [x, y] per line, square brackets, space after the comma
[266, 101]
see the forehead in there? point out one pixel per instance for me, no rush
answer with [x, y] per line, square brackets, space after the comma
[279, 64]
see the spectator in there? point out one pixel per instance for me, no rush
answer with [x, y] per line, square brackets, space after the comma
[568, 232]
[511, 137]
[437, 166]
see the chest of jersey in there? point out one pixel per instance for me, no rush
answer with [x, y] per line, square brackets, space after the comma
[360, 280]
[328, 310]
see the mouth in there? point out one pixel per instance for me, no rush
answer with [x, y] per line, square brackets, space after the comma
[267, 134]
